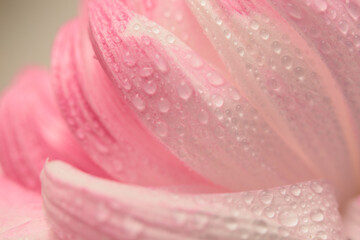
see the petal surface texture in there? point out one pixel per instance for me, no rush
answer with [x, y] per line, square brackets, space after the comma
[191, 109]
[21, 214]
[83, 206]
[103, 122]
[33, 130]
[289, 84]
[352, 219]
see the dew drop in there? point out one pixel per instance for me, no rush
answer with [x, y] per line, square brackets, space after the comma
[286, 61]
[170, 39]
[218, 21]
[317, 215]
[264, 34]
[150, 87]
[184, 91]
[234, 94]
[288, 218]
[295, 190]
[161, 63]
[217, 100]
[316, 187]
[320, 5]
[129, 60]
[266, 197]
[161, 129]
[214, 79]
[254, 25]
[138, 103]
[227, 34]
[231, 224]
[276, 47]
[344, 27]
[299, 72]
[196, 62]
[203, 116]
[146, 72]
[164, 105]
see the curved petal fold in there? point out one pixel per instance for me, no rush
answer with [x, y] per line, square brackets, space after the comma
[21, 214]
[33, 130]
[288, 83]
[84, 206]
[103, 123]
[187, 105]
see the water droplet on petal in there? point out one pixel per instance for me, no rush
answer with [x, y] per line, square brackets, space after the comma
[164, 105]
[276, 47]
[138, 103]
[288, 218]
[184, 91]
[286, 61]
[217, 100]
[150, 87]
[161, 128]
[215, 79]
[254, 25]
[320, 5]
[317, 215]
[203, 116]
[146, 72]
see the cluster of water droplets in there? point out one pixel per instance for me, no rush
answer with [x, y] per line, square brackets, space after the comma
[307, 210]
[278, 73]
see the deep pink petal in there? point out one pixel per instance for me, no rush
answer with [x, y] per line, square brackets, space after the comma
[92, 208]
[21, 214]
[288, 83]
[191, 109]
[103, 122]
[32, 130]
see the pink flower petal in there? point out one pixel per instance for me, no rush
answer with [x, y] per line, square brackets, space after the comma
[177, 18]
[103, 123]
[83, 206]
[21, 215]
[352, 219]
[32, 130]
[193, 111]
[289, 84]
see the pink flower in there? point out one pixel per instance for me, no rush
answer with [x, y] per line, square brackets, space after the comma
[188, 119]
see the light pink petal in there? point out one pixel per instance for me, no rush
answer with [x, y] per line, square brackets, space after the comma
[288, 83]
[103, 122]
[332, 27]
[176, 17]
[32, 130]
[83, 206]
[352, 219]
[21, 214]
[191, 109]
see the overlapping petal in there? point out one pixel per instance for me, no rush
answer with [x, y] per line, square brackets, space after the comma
[288, 83]
[192, 110]
[84, 206]
[352, 219]
[32, 130]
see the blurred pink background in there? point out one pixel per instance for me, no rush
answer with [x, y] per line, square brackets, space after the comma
[27, 30]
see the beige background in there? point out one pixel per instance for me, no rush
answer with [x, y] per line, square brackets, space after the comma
[27, 30]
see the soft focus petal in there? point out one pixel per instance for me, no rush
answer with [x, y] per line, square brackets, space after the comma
[21, 215]
[83, 206]
[32, 130]
[288, 83]
[103, 122]
[190, 108]
[352, 219]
